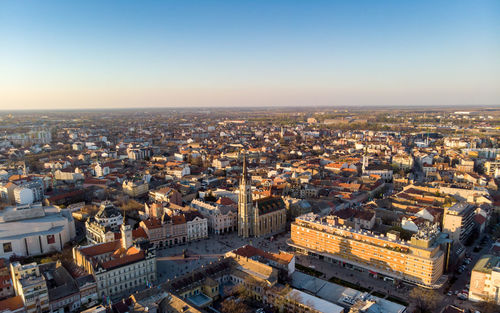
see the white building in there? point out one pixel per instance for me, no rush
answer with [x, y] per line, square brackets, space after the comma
[30, 284]
[103, 226]
[220, 218]
[120, 266]
[34, 230]
[29, 192]
[197, 226]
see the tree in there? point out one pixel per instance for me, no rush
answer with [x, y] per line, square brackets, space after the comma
[425, 300]
[231, 306]
[489, 306]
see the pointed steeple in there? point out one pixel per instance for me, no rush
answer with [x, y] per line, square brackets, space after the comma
[244, 174]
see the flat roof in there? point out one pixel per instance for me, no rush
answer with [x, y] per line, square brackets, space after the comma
[486, 263]
[316, 303]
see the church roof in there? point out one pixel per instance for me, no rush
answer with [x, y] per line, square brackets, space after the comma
[270, 204]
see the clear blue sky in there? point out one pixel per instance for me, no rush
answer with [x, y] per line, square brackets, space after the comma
[86, 54]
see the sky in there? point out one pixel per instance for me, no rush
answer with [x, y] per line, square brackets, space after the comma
[113, 54]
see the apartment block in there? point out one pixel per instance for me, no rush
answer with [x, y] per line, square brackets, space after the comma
[485, 280]
[30, 284]
[458, 221]
[419, 260]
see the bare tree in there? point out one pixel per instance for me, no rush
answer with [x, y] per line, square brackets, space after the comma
[425, 300]
[231, 306]
[489, 306]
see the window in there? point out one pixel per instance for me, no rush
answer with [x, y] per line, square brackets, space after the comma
[7, 247]
[51, 239]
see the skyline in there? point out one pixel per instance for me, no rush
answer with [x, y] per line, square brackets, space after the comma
[89, 55]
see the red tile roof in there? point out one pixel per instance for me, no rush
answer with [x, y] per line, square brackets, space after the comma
[12, 303]
[249, 251]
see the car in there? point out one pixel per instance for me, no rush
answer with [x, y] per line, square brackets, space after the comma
[467, 286]
[462, 296]
[450, 293]
[456, 292]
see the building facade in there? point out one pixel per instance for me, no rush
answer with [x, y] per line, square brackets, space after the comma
[135, 188]
[485, 280]
[119, 266]
[221, 218]
[34, 230]
[458, 221]
[30, 284]
[419, 261]
[104, 225]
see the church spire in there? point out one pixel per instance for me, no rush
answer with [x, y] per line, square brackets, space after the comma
[244, 174]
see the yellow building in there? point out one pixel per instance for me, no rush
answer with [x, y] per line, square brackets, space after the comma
[419, 261]
[31, 286]
[135, 189]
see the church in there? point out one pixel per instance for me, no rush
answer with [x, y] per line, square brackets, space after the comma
[259, 218]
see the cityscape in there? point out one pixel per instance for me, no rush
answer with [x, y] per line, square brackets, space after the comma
[250, 157]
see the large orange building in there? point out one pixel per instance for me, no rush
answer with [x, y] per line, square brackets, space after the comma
[419, 260]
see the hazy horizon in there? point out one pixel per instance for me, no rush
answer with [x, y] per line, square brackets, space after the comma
[119, 55]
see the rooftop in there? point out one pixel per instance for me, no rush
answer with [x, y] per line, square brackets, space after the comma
[486, 263]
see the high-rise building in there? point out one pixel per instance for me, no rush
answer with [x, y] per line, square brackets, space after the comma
[458, 221]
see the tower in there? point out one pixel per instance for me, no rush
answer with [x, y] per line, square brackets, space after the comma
[365, 160]
[245, 206]
[126, 231]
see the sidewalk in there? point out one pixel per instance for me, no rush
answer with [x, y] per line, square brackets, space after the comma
[359, 278]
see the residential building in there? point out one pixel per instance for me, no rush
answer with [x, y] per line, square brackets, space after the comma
[12, 305]
[166, 194]
[30, 284]
[485, 280]
[135, 188]
[6, 287]
[42, 136]
[458, 221]
[29, 192]
[7, 192]
[419, 261]
[490, 168]
[284, 262]
[34, 230]
[64, 295]
[384, 171]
